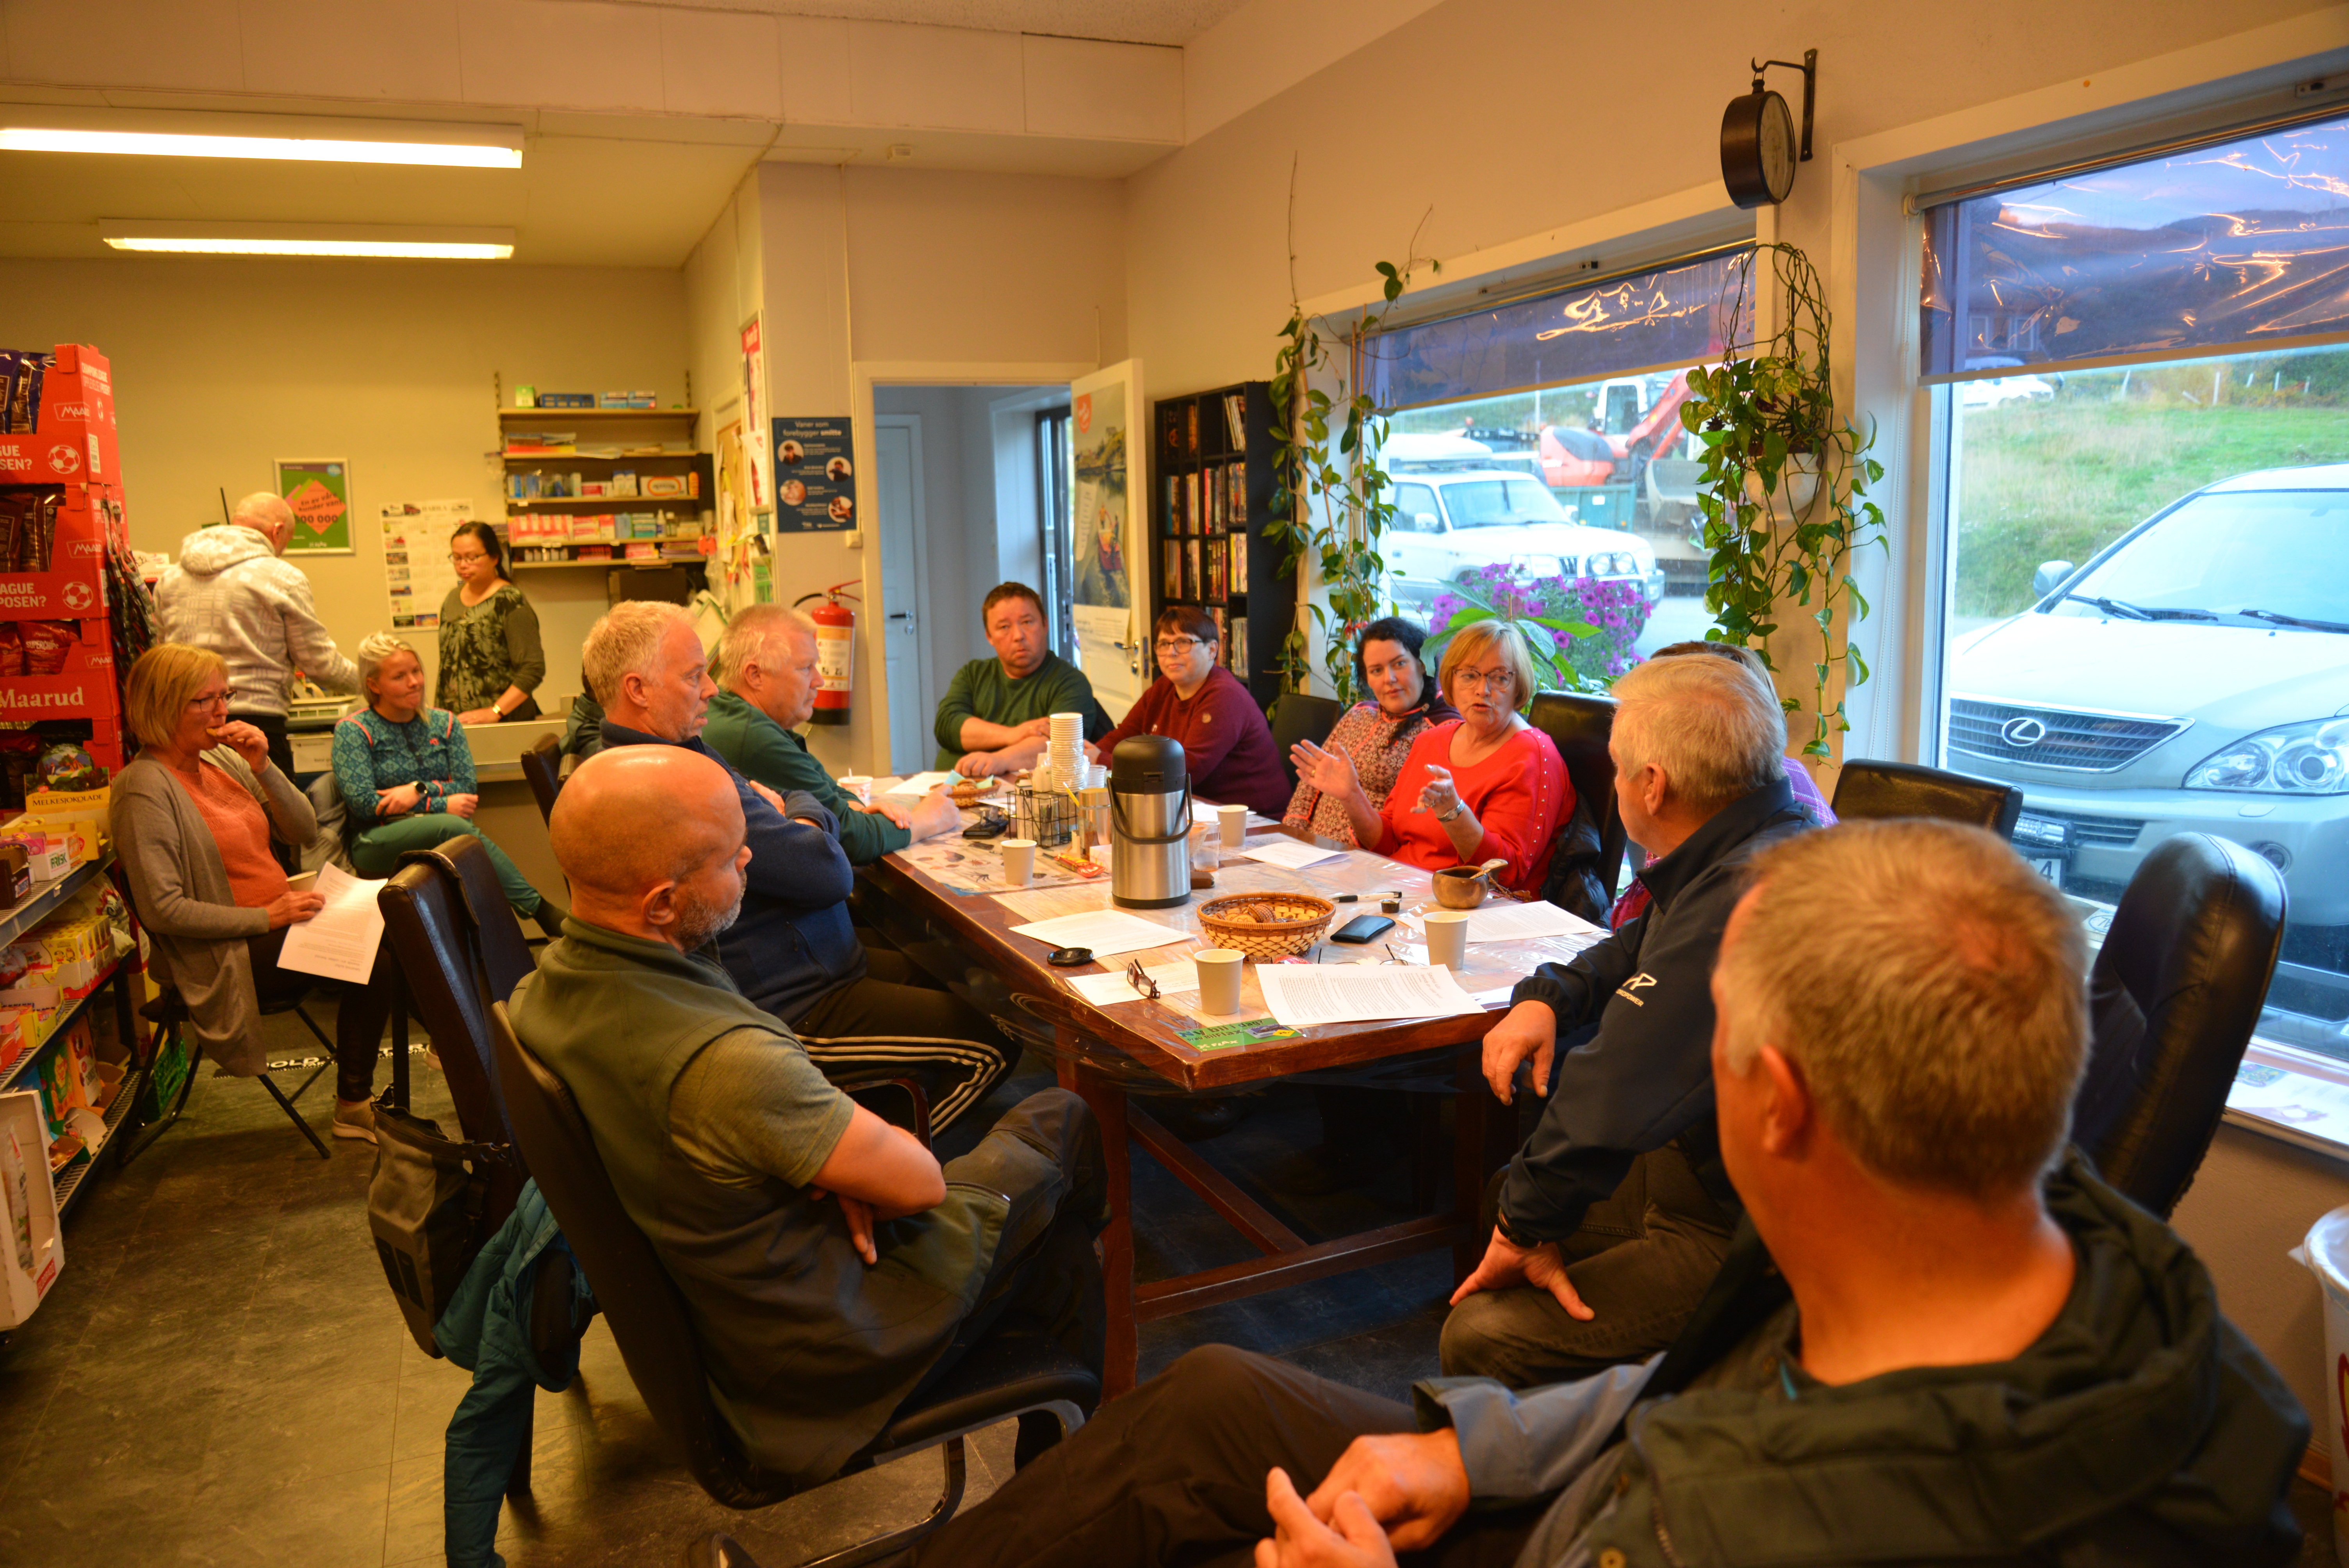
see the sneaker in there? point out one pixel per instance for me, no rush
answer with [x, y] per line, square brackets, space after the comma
[355, 1118]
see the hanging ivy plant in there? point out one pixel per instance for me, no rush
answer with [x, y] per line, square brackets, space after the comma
[1783, 493]
[1330, 507]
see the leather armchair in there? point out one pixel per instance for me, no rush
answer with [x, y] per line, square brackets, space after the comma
[1870, 789]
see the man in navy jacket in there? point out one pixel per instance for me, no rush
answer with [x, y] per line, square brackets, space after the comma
[1587, 1269]
[794, 950]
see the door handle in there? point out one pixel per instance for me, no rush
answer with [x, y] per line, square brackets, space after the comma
[901, 615]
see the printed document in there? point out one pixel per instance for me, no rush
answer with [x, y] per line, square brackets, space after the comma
[340, 940]
[1294, 853]
[1101, 990]
[1303, 993]
[920, 783]
[1104, 930]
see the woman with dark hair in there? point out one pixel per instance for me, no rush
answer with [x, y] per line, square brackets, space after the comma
[1227, 746]
[1373, 737]
[491, 658]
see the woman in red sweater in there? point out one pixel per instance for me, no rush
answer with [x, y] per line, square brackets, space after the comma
[1227, 746]
[1486, 786]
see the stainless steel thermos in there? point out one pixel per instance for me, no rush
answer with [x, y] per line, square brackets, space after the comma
[1150, 823]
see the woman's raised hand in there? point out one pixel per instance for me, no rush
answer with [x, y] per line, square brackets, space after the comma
[247, 742]
[1331, 772]
[1438, 794]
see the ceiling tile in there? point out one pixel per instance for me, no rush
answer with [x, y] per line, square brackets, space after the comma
[560, 52]
[192, 44]
[715, 63]
[1076, 87]
[950, 77]
[398, 50]
[815, 69]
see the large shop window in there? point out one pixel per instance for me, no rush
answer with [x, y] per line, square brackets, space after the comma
[1540, 438]
[2143, 372]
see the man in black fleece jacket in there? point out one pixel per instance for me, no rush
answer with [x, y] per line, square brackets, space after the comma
[1563, 1290]
[794, 950]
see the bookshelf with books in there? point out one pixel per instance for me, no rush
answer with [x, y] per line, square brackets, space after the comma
[1211, 501]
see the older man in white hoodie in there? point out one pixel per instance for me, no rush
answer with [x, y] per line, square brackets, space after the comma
[231, 594]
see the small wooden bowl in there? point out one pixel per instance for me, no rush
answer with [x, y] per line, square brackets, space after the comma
[1460, 887]
[1300, 919]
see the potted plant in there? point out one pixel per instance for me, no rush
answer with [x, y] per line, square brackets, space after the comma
[1783, 494]
[1580, 630]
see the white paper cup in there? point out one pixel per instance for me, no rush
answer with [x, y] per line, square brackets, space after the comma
[859, 785]
[1232, 822]
[1447, 937]
[1219, 980]
[1019, 860]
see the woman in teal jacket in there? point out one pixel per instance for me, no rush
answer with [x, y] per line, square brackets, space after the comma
[407, 777]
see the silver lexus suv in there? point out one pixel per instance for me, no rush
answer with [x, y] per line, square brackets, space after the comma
[2192, 676]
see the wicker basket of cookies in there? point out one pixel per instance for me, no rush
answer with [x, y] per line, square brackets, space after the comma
[1266, 924]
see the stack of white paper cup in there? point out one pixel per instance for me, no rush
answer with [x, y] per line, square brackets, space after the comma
[1063, 762]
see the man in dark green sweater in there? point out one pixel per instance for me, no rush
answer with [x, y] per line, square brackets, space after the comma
[766, 665]
[996, 713]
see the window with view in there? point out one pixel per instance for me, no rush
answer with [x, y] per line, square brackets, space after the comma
[1538, 457]
[2147, 604]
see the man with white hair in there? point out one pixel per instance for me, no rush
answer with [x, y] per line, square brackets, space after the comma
[766, 662]
[1562, 1291]
[1937, 1340]
[795, 951]
[229, 592]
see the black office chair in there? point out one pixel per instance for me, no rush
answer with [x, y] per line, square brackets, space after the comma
[2174, 996]
[1003, 1377]
[1905, 790]
[1295, 716]
[1590, 842]
[542, 767]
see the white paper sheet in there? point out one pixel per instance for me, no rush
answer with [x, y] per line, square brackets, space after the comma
[1300, 995]
[1173, 979]
[1106, 932]
[340, 940]
[920, 783]
[1280, 850]
[1517, 921]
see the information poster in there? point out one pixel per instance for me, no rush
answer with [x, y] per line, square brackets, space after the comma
[416, 570]
[319, 492]
[815, 476]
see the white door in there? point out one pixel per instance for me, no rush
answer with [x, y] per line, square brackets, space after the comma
[1108, 489]
[898, 487]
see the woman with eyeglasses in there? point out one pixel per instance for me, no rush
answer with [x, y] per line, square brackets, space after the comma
[1374, 736]
[1227, 745]
[1486, 786]
[491, 657]
[194, 817]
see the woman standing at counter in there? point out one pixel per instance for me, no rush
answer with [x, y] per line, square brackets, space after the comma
[491, 658]
[407, 777]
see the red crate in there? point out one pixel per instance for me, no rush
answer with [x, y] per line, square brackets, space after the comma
[91, 650]
[74, 587]
[73, 436]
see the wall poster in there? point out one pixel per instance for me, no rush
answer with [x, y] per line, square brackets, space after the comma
[815, 476]
[1104, 410]
[319, 492]
[416, 570]
[754, 416]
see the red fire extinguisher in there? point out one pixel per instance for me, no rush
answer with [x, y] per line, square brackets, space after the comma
[836, 652]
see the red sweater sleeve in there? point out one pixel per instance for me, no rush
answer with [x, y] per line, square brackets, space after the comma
[1408, 780]
[1520, 794]
[1135, 722]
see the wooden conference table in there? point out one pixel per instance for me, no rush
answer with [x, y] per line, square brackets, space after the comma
[1099, 1049]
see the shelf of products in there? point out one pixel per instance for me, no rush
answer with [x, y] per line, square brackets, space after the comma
[536, 416]
[565, 495]
[1212, 497]
[44, 900]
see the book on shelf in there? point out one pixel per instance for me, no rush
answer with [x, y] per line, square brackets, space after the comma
[1194, 511]
[1193, 581]
[1170, 517]
[1235, 498]
[1192, 411]
[1172, 577]
[1236, 418]
[1236, 650]
[1223, 625]
[1218, 570]
[1170, 430]
[1237, 563]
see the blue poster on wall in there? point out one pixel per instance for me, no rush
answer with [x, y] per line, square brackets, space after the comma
[815, 476]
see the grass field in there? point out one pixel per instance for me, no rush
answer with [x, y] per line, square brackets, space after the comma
[2059, 480]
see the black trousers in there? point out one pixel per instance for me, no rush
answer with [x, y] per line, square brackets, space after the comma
[897, 1022]
[359, 1016]
[1174, 1474]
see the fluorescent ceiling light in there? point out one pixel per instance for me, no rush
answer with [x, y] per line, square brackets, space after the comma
[258, 136]
[311, 240]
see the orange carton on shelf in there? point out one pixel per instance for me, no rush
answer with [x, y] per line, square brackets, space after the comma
[73, 436]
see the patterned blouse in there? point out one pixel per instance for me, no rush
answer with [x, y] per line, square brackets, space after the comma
[1377, 745]
[487, 647]
[372, 753]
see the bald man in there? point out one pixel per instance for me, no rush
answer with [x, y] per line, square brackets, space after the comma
[229, 592]
[833, 1269]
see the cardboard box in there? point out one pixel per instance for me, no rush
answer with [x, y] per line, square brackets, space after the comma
[73, 438]
[89, 521]
[663, 487]
[17, 1034]
[33, 1249]
[566, 400]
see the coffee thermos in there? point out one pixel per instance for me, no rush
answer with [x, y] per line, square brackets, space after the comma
[1150, 823]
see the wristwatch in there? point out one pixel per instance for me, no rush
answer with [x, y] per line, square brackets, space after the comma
[1501, 1224]
[1457, 807]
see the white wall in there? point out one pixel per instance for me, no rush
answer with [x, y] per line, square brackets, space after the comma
[223, 367]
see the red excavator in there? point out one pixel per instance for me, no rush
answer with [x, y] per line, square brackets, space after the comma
[1578, 459]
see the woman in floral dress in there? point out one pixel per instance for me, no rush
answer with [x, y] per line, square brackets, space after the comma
[1376, 735]
[491, 658]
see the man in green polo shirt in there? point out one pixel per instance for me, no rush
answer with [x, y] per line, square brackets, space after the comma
[997, 712]
[767, 665]
[831, 1267]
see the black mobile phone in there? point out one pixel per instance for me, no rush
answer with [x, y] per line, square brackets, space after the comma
[1363, 928]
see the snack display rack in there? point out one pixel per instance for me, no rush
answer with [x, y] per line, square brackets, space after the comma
[1213, 473]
